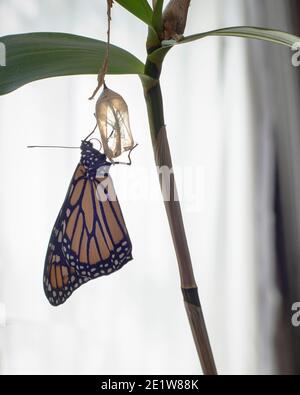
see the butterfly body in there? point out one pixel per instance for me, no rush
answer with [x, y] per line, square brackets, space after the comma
[89, 238]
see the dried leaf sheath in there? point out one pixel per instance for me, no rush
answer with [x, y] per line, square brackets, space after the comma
[174, 18]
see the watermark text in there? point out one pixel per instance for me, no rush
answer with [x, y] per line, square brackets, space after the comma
[296, 56]
[296, 314]
[2, 55]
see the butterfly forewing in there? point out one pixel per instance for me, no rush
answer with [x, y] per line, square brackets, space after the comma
[89, 238]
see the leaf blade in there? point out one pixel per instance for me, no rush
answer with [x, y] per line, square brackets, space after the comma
[140, 8]
[35, 56]
[157, 20]
[271, 35]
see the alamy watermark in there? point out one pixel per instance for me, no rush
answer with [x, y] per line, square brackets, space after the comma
[296, 56]
[2, 54]
[138, 186]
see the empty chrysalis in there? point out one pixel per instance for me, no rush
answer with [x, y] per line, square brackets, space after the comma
[113, 122]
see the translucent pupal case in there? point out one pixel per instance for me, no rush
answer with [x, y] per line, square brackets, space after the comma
[113, 122]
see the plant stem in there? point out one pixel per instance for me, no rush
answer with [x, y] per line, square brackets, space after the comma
[163, 158]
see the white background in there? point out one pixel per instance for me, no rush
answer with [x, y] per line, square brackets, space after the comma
[134, 321]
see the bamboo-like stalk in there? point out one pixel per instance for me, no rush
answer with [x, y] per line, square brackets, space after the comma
[174, 18]
[163, 158]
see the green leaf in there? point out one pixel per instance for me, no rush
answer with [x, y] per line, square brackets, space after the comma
[157, 21]
[139, 8]
[35, 56]
[275, 36]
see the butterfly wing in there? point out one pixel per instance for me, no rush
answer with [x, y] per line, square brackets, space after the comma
[95, 240]
[60, 280]
[89, 238]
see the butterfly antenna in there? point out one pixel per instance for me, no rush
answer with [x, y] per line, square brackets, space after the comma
[93, 131]
[52, 146]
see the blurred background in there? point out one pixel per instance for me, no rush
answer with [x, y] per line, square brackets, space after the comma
[232, 113]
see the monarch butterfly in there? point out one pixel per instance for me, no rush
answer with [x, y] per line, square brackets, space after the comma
[89, 238]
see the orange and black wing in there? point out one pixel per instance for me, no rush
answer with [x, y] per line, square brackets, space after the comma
[89, 238]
